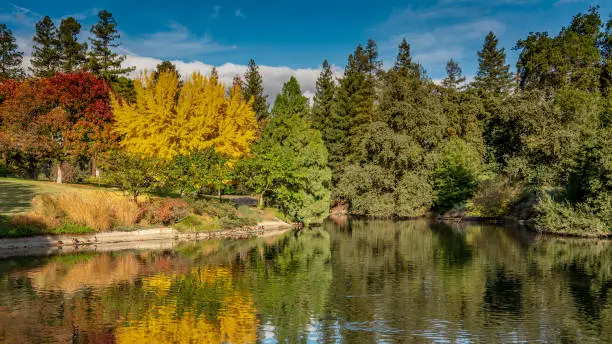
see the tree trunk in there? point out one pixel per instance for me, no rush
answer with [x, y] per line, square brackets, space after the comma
[260, 201]
[58, 179]
[219, 193]
[94, 167]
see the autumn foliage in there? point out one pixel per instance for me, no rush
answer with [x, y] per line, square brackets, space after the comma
[63, 117]
[168, 120]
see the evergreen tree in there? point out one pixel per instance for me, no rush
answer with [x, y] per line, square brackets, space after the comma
[102, 60]
[493, 74]
[46, 54]
[359, 85]
[453, 79]
[166, 66]
[72, 53]
[323, 100]
[253, 88]
[10, 58]
[290, 100]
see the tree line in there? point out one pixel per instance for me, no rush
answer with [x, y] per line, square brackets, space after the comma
[534, 144]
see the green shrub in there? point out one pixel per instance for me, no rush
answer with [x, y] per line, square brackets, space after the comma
[565, 218]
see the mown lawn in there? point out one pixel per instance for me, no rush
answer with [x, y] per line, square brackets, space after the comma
[16, 194]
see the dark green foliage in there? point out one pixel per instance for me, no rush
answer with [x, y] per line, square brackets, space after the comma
[165, 66]
[124, 87]
[72, 53]
[493, 74]
[454, 78]
[10, 58]
[290, 100]
[102, 60]
[571, 58]
[46, 56]
[354, 107]
[323, 100]
[253, 88]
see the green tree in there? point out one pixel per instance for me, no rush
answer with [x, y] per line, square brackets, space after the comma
[288, 165]
[454, 78]
[253, 88]
[102, 60]
[10, 58]
[323, 100]
[290, 100]
[353, 110]
[72, 53]
[46, 55]
[134, 175]
[288, 169]
[493, 74]
[457, 174]
[199, 170]
[571, 58]
[165, 66]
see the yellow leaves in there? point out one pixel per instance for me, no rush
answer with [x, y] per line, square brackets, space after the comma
[166, 322]
[167, 120]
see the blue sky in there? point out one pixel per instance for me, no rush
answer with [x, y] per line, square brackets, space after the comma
[297, 36]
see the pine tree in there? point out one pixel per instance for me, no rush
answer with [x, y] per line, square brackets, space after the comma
[323, 99]
[46, 54]
[253, 88]
[72, 53]
[453, 79]
[360, 83]
[290, 100]
[102, 60]
[493, 74]
[10, 58]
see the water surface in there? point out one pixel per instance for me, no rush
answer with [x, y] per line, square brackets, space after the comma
[346, 282]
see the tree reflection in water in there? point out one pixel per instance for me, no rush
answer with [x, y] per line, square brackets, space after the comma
[350, 281]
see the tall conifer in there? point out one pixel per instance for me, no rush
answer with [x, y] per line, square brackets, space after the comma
[102, 60]
[323, 99]
[46, 54]
[493, 74]
[253, 88]
[10, 58]
[72, 53]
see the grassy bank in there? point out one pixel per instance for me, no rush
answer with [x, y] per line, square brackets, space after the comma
[34, 208]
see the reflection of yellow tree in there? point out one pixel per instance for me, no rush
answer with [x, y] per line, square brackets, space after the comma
[235, 322]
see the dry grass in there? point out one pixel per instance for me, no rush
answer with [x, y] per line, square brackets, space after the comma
[99, 210]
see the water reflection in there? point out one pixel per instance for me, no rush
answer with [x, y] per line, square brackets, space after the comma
[350, 281]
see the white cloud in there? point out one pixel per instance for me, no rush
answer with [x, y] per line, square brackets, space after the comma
[440, 44]
[239, 13]
[177, 41]
[273, 76]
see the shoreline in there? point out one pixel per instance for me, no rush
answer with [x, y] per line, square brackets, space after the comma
[152, 238]
[502, 221]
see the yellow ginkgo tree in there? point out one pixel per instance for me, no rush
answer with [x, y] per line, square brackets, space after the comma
[168, 120]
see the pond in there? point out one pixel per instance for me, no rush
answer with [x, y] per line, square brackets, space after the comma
[345, 282]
